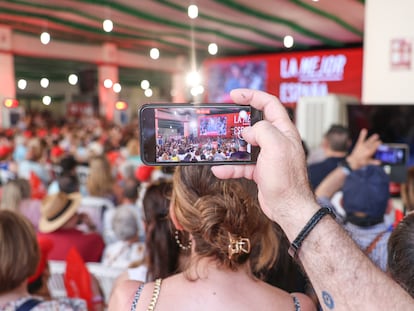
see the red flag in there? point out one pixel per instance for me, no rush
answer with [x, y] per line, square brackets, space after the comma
[37, 188]
[77, 278]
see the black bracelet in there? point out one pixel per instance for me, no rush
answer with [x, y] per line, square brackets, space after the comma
[345, 166]
[297, 243]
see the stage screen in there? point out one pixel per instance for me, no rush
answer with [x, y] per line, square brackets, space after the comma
[289, 76]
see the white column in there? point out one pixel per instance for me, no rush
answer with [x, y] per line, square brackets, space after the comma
[108, 70]
[7, 77]
[178, 91]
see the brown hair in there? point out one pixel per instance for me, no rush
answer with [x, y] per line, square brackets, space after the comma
[162, 249]
[407, 190]
[401, 254]
[11, 196]
[100, 180]
[19, 251]
[213, 210]
[338, 138]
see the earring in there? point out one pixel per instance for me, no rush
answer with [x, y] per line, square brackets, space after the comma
[177, 239]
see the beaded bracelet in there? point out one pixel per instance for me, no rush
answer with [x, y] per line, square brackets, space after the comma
[297, 243]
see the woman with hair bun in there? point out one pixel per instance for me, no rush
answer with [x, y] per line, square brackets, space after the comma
[220, 224]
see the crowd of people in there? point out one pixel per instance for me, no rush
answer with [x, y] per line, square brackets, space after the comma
[242, 237]
[201, 149]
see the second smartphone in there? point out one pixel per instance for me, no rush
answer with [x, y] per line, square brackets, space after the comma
[194, 134]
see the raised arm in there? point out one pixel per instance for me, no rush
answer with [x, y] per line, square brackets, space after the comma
[360, 156]
[343, 277]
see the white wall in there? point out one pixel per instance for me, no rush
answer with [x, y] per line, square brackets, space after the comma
[386, 20]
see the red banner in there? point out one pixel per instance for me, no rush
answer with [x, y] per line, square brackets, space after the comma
[287, 75]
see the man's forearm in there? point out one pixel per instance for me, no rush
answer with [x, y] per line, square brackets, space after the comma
[333, 263]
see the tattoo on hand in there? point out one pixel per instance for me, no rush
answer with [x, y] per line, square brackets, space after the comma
[328, 300]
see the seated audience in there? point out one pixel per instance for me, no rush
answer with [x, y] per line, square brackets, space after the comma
[66, 176]
[400, 254]
[19, 257]
[127, 249]
[59, 221]
[129, 198]
[101, 197]
[34, 166]
[16, 196]
[219, 223]
[8, 167]
[162, 254]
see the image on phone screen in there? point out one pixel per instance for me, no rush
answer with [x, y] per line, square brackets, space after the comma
[392, 154]
[196, 134]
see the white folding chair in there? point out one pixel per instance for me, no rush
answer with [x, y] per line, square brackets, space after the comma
[106, 277]
[56, 284]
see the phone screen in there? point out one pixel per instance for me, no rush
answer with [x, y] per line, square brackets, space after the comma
[392, 154]
[186, 134]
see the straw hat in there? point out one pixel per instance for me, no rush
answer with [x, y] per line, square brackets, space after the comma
[57, 209]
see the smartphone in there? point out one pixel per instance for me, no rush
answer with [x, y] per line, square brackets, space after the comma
[196, 134]
[392, 154]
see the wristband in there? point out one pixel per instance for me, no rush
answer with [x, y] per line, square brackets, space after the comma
[345, 166]
[297, 243]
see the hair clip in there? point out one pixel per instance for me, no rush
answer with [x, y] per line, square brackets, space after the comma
[239, 245]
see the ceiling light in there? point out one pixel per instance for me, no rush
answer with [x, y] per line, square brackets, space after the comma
[107, 25]
[192, 11]
[148, 92]
[145, 84]
[154, 53]
[193, 78]
[45, 38]
[46, 100]
[44, 82]
[117, 87]
[212, 48]
[108, 83]
[73, 79]
[22, 84]
[121, 105]
[288, 41]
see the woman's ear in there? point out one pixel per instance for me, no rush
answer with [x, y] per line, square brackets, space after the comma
[174, 220]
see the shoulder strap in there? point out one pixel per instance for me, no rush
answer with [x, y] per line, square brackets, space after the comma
[28, 304]
[136, 297]
[296, 303]
[371, 246]
[155, 294]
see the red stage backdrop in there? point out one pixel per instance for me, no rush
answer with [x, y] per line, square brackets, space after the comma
[287, 75]
[224, 125]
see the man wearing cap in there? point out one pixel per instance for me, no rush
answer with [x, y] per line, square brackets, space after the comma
[365, 201]
[59, 221]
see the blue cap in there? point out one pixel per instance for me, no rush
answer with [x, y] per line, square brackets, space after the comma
[367, 191]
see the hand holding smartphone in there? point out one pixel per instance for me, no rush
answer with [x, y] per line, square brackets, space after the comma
[392, 154]
[196, 134]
